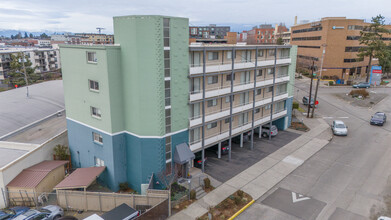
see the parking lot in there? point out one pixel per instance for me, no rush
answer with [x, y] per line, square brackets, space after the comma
[242, 158]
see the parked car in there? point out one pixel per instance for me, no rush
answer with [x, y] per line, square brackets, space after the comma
[379, 118]
[31, 214]
[383, 218]
[305, 101]
[13, 212]
[198, 160]
[68, 218]
[362, 85]
[246, 137]
[266, 128]
[55, 212]
[339, 128]
[224, 148]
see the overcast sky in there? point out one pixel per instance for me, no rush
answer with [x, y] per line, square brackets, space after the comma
[86, 15]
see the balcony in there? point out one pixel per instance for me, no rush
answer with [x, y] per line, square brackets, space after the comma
[218, 66]
[211, 139]
[211, 116]
[220, 91]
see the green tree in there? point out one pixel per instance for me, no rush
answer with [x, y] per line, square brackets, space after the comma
[25, 35]
[16, 74]
[279, 41]
[371, 37]
[384, 57]
[31, 35]
[44, 36]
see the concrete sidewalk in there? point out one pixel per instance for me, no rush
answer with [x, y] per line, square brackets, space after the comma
[262, 176]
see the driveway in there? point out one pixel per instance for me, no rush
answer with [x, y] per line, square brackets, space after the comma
[242, 158]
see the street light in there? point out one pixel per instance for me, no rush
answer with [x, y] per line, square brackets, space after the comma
[23, 59]
[319, 78]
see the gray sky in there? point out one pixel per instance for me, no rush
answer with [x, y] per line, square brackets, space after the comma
[85, 16]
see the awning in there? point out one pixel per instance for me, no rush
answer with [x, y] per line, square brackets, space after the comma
[183, 154]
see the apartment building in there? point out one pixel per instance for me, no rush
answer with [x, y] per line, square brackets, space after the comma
[44, 60]
[96, 38]
[132, 105]
[211, 31]
[262, 34]
[339, 37]
[281, 31]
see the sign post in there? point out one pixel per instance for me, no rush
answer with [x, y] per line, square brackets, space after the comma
[376, 75]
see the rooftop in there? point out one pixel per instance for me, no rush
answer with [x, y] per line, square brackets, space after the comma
[45, 99]
[80, 178]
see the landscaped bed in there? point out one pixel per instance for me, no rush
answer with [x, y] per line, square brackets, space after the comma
[228, 207]
[300, 126]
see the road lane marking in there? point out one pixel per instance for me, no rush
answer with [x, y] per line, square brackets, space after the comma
[296, 197]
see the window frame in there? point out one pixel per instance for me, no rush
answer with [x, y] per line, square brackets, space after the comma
[98, 113]
[94, 85]
[95, 61]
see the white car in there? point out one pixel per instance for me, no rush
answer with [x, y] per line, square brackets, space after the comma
[339, 128]
[384, 218]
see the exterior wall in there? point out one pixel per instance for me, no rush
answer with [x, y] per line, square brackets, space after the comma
[50, 181]
[39, 154]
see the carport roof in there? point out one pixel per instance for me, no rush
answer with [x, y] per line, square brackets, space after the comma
[32, 176]
[80, 178]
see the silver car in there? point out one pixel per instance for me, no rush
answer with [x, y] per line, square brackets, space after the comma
[339, 128]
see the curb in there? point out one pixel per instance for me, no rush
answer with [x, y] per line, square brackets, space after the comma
[241, 210]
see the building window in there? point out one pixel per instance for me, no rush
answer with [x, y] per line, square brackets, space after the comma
[99, 162]
[211, 125]
[245, 77]
[227, 120]
[272, 52]
[269, 89]
[306, 38]
[166, 32]
[95, 112]
[259, 91]
[267, 106]
[229, 54]
[212, 102]
[257, 110]
[270, 71]
[97, 138]
[229, 77]
[227, 99]
[212, 79]
[213, 55]
[259, 72]
[91, 57]
[94, 85]
[168, 148]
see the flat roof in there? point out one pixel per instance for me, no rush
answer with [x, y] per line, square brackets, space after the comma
[46, 98]
[8, 155]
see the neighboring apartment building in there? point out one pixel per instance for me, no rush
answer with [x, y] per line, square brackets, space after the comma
[131, 105]
[281, 31]
[262, 34]
[69, 38]
[211, 31]
[96, 38]
[340, 38]
[43, 59]
[242, 37]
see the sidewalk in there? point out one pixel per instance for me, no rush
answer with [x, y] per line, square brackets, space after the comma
[262, 176]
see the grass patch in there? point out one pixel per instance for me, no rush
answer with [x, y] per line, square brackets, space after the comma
[359, 92]
[301, 110]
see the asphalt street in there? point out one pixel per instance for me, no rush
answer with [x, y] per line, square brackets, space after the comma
[347, 177]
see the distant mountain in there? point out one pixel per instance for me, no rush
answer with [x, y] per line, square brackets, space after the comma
[8, 33]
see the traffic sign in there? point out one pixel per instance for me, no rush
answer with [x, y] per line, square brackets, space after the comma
[316, 102]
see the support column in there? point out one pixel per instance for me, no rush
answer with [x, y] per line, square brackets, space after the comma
[231, 103]
[274, 83]
[260, 132]
[219, 151]
[254, 91]
[241, 140]
[203, 109]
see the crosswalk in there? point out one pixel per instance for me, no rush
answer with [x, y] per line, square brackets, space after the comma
[342, 117]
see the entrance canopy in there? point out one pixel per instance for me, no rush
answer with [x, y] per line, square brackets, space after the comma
[80, 178]
[183, 154]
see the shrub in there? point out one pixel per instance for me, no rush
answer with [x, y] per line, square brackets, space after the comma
[237, 200]
[240, 193]
[207, 183]
[123, 186]
[193, 194]
[61, 152]
[359, 92]
[331, 83]
[295, 105]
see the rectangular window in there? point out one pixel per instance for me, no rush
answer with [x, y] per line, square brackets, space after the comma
[91, 57]
[211, 125]
[212, 102]
[244, 98]
[229, 77]
[227, 120]
[94, 85]
[272, 52]
[213, 55]
[243, 119]
[259, 72]
[212, 79]
[270, 71]
[229, 54]
[269, 89]
[259, 91]
[245, 77]
[95, 112]
[166, 32]
[97, 138]
[227, 99]
[99, 162]
[260, 53]
[267, 106]
[257, 110]
[196, 85]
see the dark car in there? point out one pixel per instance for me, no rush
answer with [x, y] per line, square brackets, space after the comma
[246, 137]
[362, 85]
[305, 101]
[224, 148]
[13, 212]
[198, 159]
[379, 118]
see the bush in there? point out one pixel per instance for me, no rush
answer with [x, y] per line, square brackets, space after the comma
[193, 194]
[207, 183]
[295, 105]
[240, 193]
[123, 186]
[331, 83]
[61, 152]
[237, 200]
[359, 92]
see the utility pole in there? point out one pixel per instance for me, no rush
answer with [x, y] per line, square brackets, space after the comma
[309, 98]
[25, 74]
[319, 78]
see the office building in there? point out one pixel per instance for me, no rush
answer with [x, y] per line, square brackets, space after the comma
[262, 34]
[132, 105]
[212, 31]
[339, 37]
